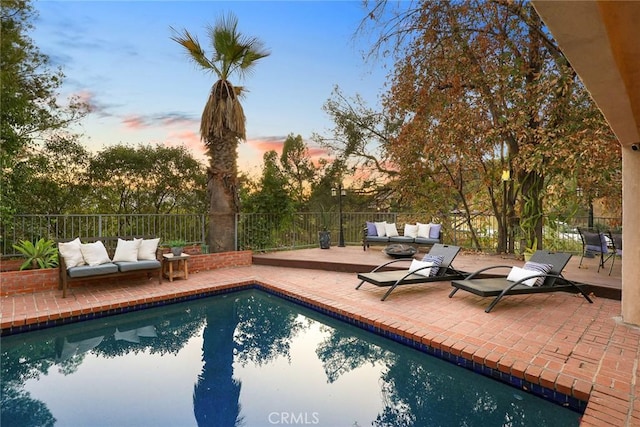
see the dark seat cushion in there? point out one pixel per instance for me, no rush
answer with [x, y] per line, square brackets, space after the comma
[137, 265]
[383, 239]
[92, 270]
[401, 239]
[426, 241]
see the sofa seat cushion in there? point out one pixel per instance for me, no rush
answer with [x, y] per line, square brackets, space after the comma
[401, 239]
[137, 265]
[426, 241]
[92, 270]
[377, 239]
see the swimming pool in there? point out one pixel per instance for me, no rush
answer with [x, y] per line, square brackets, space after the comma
[247, 357]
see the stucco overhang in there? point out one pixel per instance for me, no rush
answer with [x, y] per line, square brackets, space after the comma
[601, 40]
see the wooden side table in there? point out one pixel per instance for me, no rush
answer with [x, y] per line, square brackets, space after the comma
[175, 266]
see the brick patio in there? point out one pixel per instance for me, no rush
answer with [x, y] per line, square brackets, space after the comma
[558, 341]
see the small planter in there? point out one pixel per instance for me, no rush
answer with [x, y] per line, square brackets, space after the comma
[324, 238]
[176, 246]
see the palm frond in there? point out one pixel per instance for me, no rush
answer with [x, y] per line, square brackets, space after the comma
[194, 50]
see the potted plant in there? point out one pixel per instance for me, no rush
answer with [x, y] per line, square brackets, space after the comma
[324, 235]
[176, 246]
[44, 254]
[324, 238]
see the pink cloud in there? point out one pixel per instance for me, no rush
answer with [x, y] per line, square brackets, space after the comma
[133, 122]
[268, 144]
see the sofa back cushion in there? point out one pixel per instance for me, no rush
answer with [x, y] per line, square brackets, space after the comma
[94, 253]
[148, 248]
[71, 253]
[127, 250]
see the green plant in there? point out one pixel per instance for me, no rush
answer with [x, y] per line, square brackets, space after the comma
[530, 250]
[43, 254]
[176, 243]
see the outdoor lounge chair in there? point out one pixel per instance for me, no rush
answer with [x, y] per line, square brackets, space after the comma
[595, 242]
[395, 278]
[498, 287]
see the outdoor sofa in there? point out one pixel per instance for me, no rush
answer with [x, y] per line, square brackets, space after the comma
[80, 261]
[385, 233]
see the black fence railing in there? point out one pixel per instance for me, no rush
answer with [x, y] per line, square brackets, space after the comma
[190, 227]
[271, 232]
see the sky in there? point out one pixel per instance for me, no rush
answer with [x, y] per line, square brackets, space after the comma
[143, 89]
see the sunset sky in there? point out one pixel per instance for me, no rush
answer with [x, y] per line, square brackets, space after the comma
[118, 56]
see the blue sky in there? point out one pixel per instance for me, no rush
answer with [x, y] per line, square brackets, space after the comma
[118, 56]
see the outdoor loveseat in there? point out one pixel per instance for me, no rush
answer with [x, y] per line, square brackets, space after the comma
[384, 233]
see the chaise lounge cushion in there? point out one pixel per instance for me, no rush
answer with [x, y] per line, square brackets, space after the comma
[137, 265]
[92, 270]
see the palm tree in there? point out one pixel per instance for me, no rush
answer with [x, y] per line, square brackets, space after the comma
[223, 122]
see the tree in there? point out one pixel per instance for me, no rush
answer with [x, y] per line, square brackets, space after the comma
[272, 195]
[297, 168]
[146, 180]
[481, 88]
[359, 137]
[223, 121]
[30, 110]
[55, 176]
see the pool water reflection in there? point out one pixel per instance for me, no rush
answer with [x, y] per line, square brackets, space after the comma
[247, 358]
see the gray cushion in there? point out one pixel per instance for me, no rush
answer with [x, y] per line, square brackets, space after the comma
[425, 241]
[137, 265]
[377, 239]
[92, 270]
[401, 239]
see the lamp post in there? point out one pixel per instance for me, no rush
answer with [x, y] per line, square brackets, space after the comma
[340, 192]
[506, 177]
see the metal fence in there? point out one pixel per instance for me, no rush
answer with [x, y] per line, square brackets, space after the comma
[190, 227]
[270, 232]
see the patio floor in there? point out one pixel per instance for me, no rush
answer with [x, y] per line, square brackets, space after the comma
[556, 340]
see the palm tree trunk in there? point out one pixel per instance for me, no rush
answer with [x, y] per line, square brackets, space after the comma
[222, 188]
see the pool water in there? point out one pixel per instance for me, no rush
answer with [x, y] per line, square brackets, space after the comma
[247, 358]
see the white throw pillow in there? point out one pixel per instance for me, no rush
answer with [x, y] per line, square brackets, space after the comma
[148, 248]
[94, 253]
[424, 266]
[411, 230]
[423, 230]
[518, 273]
[71, 253]
[391, 229]
[127, 250]
[381, 228]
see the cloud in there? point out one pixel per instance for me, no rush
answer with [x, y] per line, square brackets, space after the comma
[171, 119]
[135, 122]
[269, 143]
